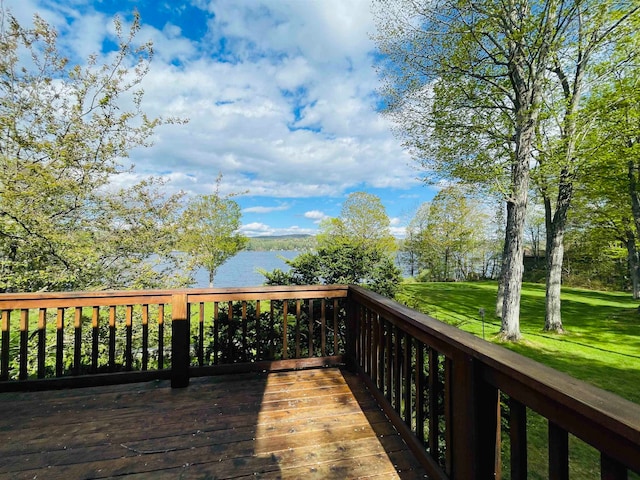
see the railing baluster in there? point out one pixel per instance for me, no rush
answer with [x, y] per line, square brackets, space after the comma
[365, 339]
[112, 338]
[311, 345]
[419, 402]
[216, 333]
[396, 368]
[374, 347]
[434, 394]
[388, 361]
[297, 328]
[145, 337]
[518, 439]
[95, 338]
[558, 453]
[161, 336]
[381, 354]
[77, 344]
[42, 342]
[323, 328]
[231, 332]
[406, 374]
[4, 360]
[128, 350]
[611, 469]
[245, 347]
[285, 344]
[201, 334]
[272, 331]
[258, 338]
[448, 420]
[336, 311]
[59, 342]
[24, 343]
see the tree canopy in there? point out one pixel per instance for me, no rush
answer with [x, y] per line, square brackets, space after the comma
[65, 130]
[210, 231]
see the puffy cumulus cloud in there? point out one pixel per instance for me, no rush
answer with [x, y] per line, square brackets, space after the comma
[316, 215]
[291, 122]
[280, 96]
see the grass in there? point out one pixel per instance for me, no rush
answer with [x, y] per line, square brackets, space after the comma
[601, 345]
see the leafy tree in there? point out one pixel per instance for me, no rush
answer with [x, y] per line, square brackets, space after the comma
[210, 234]
[464, 81]
[363, 222]
[594, 31]
[609, 194]
[64, 130]
[410, 246]
[451, 236]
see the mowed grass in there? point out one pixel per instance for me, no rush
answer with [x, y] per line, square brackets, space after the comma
[601, 345]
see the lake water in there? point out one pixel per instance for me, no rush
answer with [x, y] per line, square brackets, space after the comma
[241, 270]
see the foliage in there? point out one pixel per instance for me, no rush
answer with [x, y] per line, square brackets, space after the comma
[355, 248]
[210, 233]
[64, 130]
[449, 238]
[363, 222]
[340, 263]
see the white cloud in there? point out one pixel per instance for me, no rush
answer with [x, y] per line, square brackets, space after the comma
[261, 209]
[288, 114]
[316, 215]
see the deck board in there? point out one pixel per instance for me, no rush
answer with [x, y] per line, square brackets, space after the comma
[319, 423]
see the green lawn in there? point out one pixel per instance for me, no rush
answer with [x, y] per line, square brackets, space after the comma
[601, 345]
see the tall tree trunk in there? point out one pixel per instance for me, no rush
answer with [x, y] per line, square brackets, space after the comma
[513, 265]
[211, 274]
[556, 224]
[514, 231]
[634, 194]
[634, 263]
[503, 265]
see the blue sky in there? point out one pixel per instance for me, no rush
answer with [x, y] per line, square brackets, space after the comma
[280, 97]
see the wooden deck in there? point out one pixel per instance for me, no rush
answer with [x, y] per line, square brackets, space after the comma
[318, 423]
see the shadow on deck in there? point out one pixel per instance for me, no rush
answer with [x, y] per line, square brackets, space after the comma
[318, 423]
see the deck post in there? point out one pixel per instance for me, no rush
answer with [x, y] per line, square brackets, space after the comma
[351, 334]
[179, 341]
[474, 421]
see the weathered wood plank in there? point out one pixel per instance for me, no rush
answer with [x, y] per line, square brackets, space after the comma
[319, 423]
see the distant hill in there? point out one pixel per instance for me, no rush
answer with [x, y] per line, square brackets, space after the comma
[282, 242]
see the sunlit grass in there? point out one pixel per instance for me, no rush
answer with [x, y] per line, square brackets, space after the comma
[601, 345]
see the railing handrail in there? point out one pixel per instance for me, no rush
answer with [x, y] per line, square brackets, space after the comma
[576, 406]
[17, 301]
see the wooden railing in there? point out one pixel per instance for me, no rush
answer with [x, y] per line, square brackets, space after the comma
[442, 388]
[454, 398]
[52, 340]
